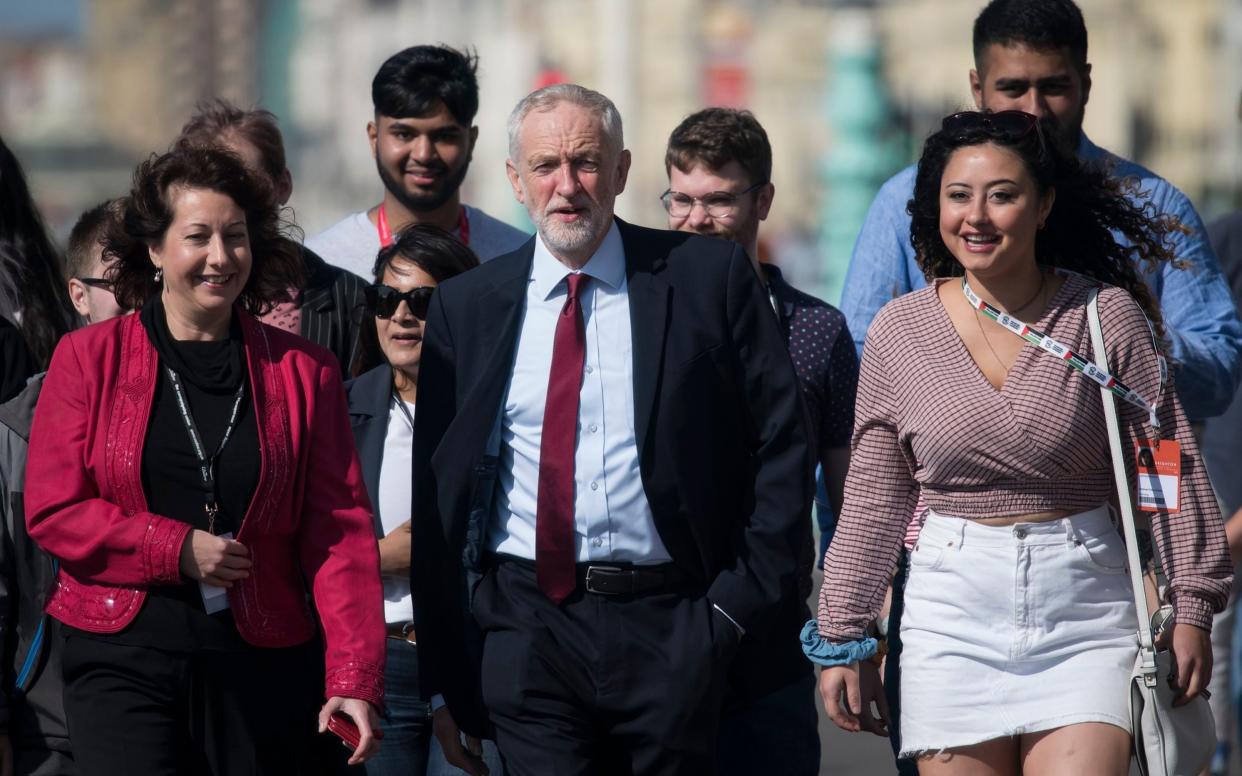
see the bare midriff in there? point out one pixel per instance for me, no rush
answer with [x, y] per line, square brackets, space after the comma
[1037, 517]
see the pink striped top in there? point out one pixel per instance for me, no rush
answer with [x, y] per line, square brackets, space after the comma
[928, 421]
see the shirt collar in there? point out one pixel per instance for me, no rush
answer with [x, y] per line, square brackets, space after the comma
[1088, 151]
[606, 265]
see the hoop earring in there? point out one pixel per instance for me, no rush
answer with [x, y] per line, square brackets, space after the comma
[159, 275]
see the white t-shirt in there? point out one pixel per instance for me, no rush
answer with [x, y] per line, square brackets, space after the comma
[394, 501]
[352, 242]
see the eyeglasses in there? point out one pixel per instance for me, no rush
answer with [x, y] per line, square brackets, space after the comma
[717, 204]
[1010, 124]
[383, 300]
[97, 283]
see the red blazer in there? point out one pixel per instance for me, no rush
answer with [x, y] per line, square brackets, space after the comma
[309, 522]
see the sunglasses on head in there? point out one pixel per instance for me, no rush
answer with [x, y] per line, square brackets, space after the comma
[1010, 124]
[383, 300]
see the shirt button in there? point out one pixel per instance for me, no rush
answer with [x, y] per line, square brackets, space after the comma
[597, 541]
[589, 369]
[593, 428]
[594, 486]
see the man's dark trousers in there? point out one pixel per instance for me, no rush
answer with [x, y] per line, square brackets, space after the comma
[643, 673]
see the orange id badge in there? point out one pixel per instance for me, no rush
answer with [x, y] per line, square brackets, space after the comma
[1159, 465]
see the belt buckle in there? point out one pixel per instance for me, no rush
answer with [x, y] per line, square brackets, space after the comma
[605, 572]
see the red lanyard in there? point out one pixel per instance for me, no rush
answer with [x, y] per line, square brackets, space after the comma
[385, 234]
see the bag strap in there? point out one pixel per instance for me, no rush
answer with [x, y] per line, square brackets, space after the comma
[1147, 650]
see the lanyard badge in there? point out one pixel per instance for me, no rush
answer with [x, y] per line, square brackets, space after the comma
[1159, 466]
[1083, 366]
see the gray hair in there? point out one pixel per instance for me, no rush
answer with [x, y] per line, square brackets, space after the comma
[549, 97]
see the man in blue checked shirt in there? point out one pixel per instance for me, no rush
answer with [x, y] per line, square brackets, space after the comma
[1032, 56]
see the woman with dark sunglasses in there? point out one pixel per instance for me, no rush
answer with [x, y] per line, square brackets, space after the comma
[1019, 630]
[382, 398]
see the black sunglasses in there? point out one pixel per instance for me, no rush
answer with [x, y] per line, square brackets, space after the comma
[96, 283]
[1010, 124]
[383, 300]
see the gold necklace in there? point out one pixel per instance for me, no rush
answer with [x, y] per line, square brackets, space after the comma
[1043, 278]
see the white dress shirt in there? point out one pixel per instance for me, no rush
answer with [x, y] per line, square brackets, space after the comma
[394, 501]
[612, 519]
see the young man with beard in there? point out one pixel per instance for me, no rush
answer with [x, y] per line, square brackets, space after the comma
[1031, 55]
[719, 166]
[422, 138]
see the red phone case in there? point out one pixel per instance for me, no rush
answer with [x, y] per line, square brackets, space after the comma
[345, 729]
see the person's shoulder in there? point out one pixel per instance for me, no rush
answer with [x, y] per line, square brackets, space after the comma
[513, 266]
[914, 304]
[345, 229]
[900, 187]
[17, 414]
[286, 347]
[1163, 194]
[676, 247]
[362, 387]
[810, 306]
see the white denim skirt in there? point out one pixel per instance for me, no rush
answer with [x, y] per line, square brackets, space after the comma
[1014, 629]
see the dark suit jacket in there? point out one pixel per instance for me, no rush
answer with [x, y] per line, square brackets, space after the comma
[723, 450]
[370, 399]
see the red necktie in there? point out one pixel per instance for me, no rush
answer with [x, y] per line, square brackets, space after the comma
[554, 516]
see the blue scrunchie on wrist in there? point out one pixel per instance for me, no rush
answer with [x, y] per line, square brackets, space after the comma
[819, 650]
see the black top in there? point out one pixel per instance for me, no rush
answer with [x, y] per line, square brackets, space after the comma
[173, 617]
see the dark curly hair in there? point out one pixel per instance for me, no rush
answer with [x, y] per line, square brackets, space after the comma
[1078, 233]
[431, 249]
[276, 262]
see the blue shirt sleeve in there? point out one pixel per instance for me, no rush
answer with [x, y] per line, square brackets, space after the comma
[882, 266]
[1200, 320]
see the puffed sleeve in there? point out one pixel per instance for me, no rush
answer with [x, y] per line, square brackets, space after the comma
[880, 495]
[1191, 541]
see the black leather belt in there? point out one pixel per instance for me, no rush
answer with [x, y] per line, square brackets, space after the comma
[615, 580]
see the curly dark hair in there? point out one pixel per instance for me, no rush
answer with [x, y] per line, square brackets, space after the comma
[1078, 234]
[149, 210]
[431, 249]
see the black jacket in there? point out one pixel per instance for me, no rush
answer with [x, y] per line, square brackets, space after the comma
[370, 398]
[718, 420]
[31, 640]
[331, 308]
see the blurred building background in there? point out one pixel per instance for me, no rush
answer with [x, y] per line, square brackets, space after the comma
[845, 88]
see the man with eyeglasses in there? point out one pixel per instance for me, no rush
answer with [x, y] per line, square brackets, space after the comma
[34, 739]
[719, 164]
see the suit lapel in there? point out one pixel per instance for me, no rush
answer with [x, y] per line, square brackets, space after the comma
[499, 310]
[370, 399]
[649, 312]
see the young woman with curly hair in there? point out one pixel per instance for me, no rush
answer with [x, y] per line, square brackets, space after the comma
[1019, 624]
[193, 471]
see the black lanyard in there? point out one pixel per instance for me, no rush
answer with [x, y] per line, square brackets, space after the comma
[206, 465]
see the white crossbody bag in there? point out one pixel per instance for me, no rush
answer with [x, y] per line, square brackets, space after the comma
[1168, 741]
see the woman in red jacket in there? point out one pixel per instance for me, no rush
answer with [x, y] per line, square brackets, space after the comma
[193, 471]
